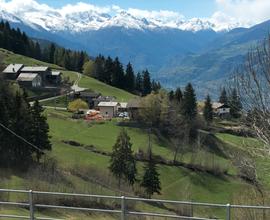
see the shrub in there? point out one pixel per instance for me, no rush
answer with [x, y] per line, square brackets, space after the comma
[77, 104]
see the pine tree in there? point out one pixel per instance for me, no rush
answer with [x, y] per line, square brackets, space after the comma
[108, 70]
[99, 68]
[146, 83]
[40, 129]
[118, 74]
[51, 53]
[223, 97]
[37, 51]
[129, 78]
[235, 104]
[139, 83]
[208, 110]
[178, 95]
[122, 163]
[189, 103]
[150, 180]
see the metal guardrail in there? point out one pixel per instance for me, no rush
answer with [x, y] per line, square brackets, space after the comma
[123, 212]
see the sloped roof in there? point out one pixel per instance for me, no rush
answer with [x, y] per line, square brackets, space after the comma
[35, 69]
[108, 104]
[123, 104]
[217, 105]
[89, 94]
[56, 73]
[13, 68]
[27, 76]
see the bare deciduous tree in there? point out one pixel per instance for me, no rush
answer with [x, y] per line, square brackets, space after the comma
[252, 79]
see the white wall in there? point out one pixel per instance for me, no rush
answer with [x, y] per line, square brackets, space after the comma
[107, 111]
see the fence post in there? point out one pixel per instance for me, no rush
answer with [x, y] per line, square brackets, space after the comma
[228, 212]
[31, 205]
[123, 208]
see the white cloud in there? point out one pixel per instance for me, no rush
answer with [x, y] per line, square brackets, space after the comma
[81, 7]
[163, 15]
[20, 6]
[246, 12]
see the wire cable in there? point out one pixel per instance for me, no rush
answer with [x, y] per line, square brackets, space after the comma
[21, 138]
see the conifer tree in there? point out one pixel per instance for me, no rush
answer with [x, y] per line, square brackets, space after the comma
[130, 78]
[108, 70]
[208, 110]
[118, 74]
[235, 104]
[52, 49]
[178, 95]
[150, 181]
[223, 97]
[123, 163]
[139, 83]
[189, 103]
[98, 73]
[40, 129]
[146, 83]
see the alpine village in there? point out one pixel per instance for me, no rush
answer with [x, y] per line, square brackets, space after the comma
[73, 122]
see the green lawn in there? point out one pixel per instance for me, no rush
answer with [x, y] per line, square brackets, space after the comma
[106, 90]
[102, 135]
[10, 57]
[177, 183]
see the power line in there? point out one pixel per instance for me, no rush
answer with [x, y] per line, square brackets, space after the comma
[21, 138]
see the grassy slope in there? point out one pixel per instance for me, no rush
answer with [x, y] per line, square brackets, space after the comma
[177, 183]
[10, 57]
[201, 187]
[86, 82]
[106, 90]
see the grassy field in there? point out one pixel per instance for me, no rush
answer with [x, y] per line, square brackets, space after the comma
[80, 169]
[85, 82]
[10, 57]
[106, 90]
[177, 182]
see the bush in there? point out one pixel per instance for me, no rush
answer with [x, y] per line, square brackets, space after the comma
[77, 104]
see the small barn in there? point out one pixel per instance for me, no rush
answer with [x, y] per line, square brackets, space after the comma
[30, 80]
[108, 109]
[55, 77]
[89, 97]
[221, 110]
[122, 107]
[43, 71]
[12, 71]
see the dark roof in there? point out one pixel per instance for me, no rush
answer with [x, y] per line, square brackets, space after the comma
[105, 98]
[223, 106]
[88, 94]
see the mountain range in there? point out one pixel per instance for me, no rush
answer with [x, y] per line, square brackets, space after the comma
[175, 50]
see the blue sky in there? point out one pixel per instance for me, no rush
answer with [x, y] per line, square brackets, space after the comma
[189, 8]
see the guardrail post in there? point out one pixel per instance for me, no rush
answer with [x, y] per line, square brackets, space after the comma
[123, 208]
[31, 205]
[228, 212]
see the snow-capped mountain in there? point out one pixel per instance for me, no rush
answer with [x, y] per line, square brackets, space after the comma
[84, 17]
[175, 50]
